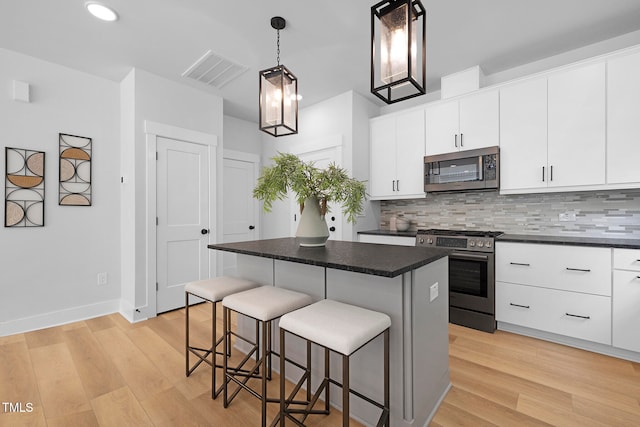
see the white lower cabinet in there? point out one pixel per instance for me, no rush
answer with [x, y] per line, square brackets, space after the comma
[573, 314]
[561, 289]
[626, 299]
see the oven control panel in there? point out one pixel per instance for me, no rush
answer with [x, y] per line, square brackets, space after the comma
[477, 244]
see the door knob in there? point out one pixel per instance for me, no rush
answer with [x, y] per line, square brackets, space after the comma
[251, 227]
[204, 231]
[332, 229]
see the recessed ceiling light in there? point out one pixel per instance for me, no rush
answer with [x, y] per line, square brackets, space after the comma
[101, 11]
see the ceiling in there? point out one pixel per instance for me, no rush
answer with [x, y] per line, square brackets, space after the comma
[325, 43]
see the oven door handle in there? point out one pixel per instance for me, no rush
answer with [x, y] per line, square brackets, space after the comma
[470, 257]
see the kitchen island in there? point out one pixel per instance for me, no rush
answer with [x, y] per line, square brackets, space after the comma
[410, 284]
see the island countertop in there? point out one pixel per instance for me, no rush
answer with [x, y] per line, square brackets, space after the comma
[367, 258]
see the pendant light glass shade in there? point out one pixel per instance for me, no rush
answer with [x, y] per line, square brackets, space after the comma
[398, 59]
[278, 95]
[278, 101]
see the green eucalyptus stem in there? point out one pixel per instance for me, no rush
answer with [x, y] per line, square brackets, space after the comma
[332, 184]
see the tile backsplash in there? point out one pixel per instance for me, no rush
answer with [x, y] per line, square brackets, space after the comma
[597, 213]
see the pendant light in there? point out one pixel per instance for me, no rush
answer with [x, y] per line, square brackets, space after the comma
[398, 39]
[278, 95]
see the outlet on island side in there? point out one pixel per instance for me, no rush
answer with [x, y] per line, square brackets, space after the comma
[102, 279]
[433, 292]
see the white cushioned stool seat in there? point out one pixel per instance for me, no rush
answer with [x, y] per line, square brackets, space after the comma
[216, 288]
[266, 302]
[341, 327]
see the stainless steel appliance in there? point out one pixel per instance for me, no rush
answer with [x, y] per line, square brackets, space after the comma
[471, 274]
[463, 170]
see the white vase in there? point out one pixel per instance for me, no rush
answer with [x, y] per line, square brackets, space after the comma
[312, 229]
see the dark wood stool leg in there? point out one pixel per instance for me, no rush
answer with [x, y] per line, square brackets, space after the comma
[213, 352]
[186, 339]
[345, 391]
[265, 372]
[225, 341]
[386, 375]
[282, 378]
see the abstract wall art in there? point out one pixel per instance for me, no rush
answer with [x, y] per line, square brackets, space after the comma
[24, 188]
[75, 170]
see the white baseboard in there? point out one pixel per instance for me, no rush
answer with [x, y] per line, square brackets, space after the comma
[132, 314]
[60, 317]
[607, 350]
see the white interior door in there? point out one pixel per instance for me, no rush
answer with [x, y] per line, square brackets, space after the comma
[182, 219]
[321, 158]
[240, 209]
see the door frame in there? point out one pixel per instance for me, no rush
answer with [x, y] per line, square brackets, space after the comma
[249, 158]
[152, 131]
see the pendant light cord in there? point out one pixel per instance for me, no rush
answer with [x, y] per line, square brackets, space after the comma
[278, 48]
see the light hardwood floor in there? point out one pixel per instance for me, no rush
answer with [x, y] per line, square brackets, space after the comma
[108, 372]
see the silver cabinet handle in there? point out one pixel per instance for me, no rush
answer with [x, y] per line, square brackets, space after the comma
[397, 185]
[579, 269]
[461, 143]
[455, 140]
[543, 174]
[518, 305]
[520, 263]
[551, 171]
[577, 315]
[393, 185]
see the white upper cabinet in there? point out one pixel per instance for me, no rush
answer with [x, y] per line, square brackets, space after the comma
[576, 126]
[466, 123]
[623, 120]
[397, 156]
[523, 136]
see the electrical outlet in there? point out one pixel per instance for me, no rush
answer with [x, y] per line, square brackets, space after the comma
[567, 216]
[102, 279]
[433, 292]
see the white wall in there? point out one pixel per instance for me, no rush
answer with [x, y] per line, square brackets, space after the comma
[152, 98]
[48, 275]
[242, 135]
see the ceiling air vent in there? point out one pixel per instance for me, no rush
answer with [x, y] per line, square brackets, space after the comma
[214, 70]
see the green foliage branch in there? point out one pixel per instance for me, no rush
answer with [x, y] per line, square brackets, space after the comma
[332, 184]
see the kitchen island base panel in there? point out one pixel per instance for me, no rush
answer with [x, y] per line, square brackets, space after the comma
[419, 368]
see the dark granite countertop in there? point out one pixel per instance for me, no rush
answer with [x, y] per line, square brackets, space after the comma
[572, 240]
[407, 233]
[367, 258]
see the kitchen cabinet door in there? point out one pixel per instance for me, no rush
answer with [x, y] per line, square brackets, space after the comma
[623, 120]
[397, 156]
[479, 121]
[383, 154]
[576, 119]
[626, 315]
[410, 153]
[442, 125]
[523, 136]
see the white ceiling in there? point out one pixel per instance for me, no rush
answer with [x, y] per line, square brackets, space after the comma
[325, 43]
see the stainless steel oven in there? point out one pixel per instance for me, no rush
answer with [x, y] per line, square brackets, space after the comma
[471, 274]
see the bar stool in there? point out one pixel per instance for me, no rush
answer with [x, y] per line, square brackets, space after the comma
[263, 304]
[211, 290]
[343, 329]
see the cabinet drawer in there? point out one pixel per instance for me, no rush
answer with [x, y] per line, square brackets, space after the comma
[626, 310]
[626, 259]
[567, 268]
[576, 315]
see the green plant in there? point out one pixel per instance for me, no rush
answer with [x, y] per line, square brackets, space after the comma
[332, 184]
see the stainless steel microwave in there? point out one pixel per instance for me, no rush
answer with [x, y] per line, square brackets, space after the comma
[463, 170]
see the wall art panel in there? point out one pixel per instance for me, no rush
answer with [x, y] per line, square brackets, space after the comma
[24, 188]
[75, 170]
